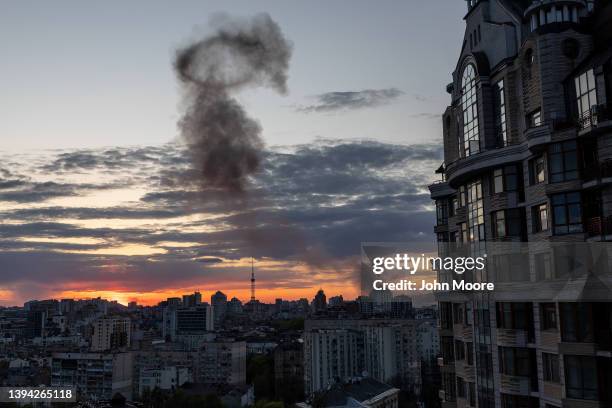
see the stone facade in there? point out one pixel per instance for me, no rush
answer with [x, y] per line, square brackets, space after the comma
[540, 170]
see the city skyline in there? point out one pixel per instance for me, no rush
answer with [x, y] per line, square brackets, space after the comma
[93, 198]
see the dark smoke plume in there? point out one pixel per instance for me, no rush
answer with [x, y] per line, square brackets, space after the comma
[224, 142]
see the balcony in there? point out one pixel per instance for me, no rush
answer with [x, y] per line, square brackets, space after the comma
[599, 226]
[598, 174]
[538, 136]
[598, 117]
[512, 337]
[512, 384]
[440, 189]
[576, 403]
[468, 372]
[465, 168]
[552, 390]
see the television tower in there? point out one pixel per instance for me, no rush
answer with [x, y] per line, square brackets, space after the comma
[252, 280]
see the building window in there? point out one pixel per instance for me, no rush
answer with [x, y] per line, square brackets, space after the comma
[549, 316]
[563, 161]
[469, 354]
[567, 213]
[459, 350]
[475, 211]
[461, 393]
[499, 224]
[516, 361]
[534, 119]
[500, 113]
[505, 179]
[586, 95]
[539, 218]
[469, 105]
[498, 181]
[458, 313]
[581, 377]
[576, 322]
[442, 212]
[472, 396]
[464, 232]
[462, 197]
[515, 315]
[550, 366]
[537, 170]
[507, 223]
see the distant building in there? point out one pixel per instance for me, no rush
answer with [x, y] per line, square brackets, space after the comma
[66, 306]
[164, 378]
[289, 369]
[187, 321]
[234, 306]
[35, 323]
[95, 376]
[192, 300]
[111, 333]
[173, 301]
[219, 304]
[401, 307]
[221, 362]
[319, 303]
[336, 301]
[387, 349]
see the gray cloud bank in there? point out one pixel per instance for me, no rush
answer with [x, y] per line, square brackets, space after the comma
[326, 195]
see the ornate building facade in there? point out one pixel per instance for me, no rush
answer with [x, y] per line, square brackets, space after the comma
[527, 158]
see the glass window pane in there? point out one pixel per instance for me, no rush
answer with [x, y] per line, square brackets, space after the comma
[583, 83]
[575, 215]
[590, 79]
[560, 216]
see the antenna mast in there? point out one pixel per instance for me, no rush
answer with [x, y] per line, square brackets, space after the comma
[252, 280]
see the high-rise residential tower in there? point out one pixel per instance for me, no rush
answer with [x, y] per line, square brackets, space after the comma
[527, 158]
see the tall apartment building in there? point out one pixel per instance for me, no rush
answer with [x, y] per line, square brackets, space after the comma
[219, 303]
[221, 362]
[95, 376]
[388, 350]
[527, 157]
[111, 333]
[187, 321]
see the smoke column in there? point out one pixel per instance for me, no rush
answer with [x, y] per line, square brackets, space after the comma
[224, 142]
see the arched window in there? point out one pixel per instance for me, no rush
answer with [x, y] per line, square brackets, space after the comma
[469, 105]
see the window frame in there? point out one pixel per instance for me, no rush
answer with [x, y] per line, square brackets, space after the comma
[501, 128]
[586, 92]
[570, 227]
[537, 222]
[469, 108]
[549, 317]
[550, 368]
[534, 178]
[567, 151]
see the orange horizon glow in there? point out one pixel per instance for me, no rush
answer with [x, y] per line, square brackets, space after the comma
[265, 295]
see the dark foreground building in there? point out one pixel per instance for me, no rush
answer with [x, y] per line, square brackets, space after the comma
[527, 158]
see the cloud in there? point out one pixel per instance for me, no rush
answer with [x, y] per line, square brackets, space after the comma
[310, 205]
[352, 100]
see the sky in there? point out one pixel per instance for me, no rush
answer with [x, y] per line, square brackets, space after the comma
[92, 201]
